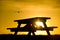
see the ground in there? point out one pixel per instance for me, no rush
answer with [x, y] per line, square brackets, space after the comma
[26, 37]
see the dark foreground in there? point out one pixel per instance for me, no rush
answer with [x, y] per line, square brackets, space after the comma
[25, 37]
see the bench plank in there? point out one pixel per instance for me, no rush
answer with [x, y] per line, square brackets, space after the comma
[22, 29]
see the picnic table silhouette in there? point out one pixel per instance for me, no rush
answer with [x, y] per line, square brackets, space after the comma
[30, 25]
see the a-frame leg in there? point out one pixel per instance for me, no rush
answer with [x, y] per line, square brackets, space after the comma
[15, 33]
[31, 32]
[17, 29]
[47, 30]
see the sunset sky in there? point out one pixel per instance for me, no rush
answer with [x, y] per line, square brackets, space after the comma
[11, 10]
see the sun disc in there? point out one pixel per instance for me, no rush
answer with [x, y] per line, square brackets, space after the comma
[39, 24]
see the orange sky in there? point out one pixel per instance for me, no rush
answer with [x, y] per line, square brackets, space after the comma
[32, 8]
